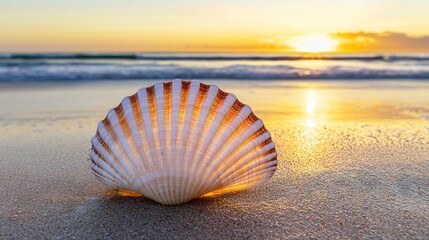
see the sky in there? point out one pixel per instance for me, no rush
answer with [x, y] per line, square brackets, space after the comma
[275, 26]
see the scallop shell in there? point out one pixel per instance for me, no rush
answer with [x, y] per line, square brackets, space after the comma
[180, 140]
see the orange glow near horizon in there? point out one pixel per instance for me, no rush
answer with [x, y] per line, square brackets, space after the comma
[315, 43]
[206, 26]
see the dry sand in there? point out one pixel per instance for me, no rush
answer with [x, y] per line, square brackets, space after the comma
[353, 163]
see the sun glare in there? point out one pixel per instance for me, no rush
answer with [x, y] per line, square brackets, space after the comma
[314, 43]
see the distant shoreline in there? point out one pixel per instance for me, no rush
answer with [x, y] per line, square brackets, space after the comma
[389, 57]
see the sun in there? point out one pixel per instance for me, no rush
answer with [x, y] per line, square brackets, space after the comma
[314, 43]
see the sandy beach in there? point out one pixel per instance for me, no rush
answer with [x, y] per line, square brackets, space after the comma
[353, 164]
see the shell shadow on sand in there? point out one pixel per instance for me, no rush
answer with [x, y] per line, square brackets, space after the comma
[142, 217]
[359, 202]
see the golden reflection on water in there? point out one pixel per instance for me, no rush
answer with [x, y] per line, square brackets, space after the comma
[310, 132]
[310, 107]
[310, 123]
[309, 144]
[311, 101]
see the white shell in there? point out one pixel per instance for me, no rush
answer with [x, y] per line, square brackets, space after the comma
[179, 140]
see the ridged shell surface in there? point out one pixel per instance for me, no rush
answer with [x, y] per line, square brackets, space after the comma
[180, 140]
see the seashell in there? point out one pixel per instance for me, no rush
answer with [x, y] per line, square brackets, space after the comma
[179, 140]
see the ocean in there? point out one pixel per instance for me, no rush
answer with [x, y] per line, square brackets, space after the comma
[27, 67]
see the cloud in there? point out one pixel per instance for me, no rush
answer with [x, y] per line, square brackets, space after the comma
[380, 42]
[279, 42]
[360, 41]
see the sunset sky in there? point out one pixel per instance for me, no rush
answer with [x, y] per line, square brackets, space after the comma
[215, 26]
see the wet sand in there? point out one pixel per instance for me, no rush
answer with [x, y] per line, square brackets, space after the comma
[353, 163]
